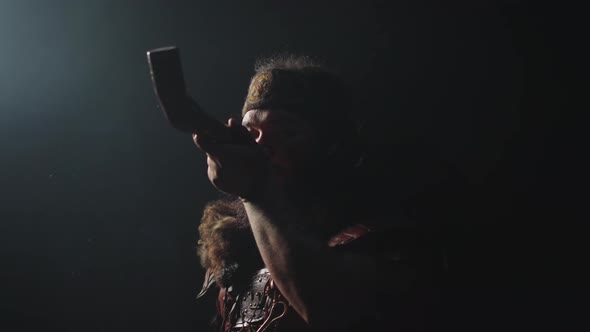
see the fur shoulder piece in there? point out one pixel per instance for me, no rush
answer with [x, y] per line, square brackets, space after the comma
[226, 246]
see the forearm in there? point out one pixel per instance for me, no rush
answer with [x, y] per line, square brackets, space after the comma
[307, 272]
[272, 221]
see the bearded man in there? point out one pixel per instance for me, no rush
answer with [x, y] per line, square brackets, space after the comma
[291, 245]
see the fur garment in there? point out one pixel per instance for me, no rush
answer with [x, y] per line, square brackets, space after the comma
[226, 246]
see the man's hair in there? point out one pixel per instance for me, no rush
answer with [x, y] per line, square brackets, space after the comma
[307, 87]
[310, 84]
[287, 61]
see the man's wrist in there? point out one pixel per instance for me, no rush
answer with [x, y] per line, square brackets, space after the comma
[259, 190]
[267, 194]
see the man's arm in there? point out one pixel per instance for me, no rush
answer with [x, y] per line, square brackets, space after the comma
[326, 287]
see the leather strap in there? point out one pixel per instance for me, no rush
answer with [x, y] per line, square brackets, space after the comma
[348, 234]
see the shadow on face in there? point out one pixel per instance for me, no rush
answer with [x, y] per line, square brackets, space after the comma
[288, 138]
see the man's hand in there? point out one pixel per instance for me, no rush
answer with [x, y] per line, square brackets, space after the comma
[237, 169]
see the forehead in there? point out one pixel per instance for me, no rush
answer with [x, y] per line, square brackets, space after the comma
[274, 117]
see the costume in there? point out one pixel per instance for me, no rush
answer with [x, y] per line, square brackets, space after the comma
[248, 299]
[254, 303]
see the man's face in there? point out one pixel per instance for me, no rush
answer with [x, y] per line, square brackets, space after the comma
[288, 139]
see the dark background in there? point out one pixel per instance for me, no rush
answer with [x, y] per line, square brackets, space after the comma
[468, 103]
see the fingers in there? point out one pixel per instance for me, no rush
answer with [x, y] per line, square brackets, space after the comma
[212, 162]
[217, 150]
[206, 145]
[233, 122]
[198, 140]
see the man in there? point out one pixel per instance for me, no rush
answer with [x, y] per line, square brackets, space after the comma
[295, 249]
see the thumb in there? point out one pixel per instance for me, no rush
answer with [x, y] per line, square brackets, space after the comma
[202, 142]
